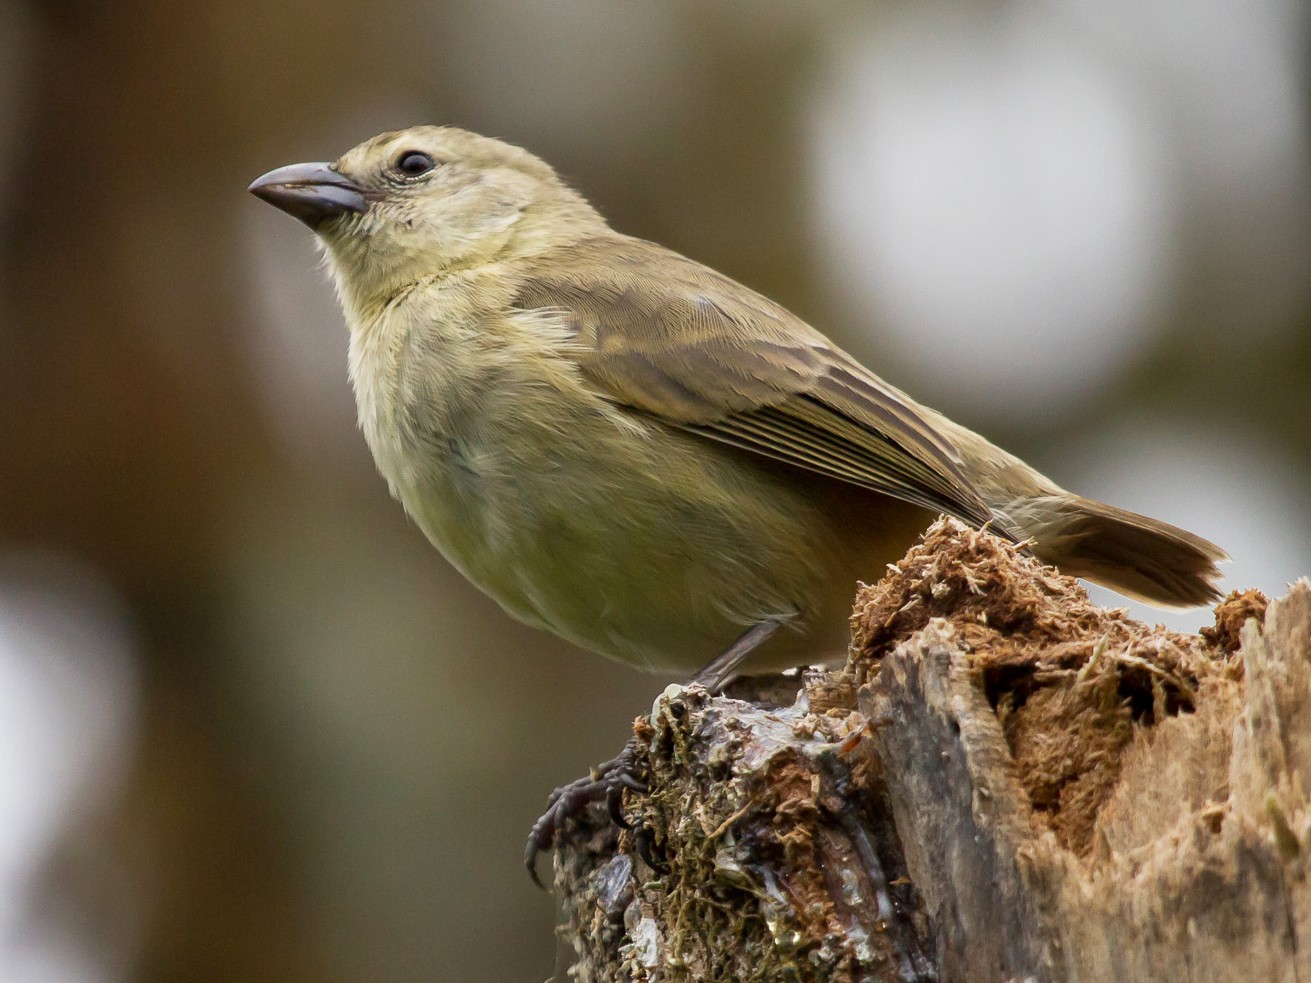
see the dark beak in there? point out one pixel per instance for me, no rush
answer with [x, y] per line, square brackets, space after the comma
[312, 193]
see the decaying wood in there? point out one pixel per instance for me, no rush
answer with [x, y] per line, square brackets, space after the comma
[1005, 782]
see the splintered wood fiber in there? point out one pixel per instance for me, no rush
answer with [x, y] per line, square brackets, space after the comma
[1072, 684]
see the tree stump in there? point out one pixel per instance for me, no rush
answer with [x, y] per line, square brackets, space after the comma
[1004, 782]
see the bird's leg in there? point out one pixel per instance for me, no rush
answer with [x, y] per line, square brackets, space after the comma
[609, 779]
[724, 666]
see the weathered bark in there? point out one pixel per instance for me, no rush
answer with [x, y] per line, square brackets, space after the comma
[1005, 782]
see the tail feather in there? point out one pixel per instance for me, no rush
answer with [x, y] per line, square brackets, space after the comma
[1131, 553]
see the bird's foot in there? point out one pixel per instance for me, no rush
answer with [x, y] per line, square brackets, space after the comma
[606, 781]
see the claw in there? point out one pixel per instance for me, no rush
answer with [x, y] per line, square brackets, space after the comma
[530, 860]
[614, 804]
[643, 843]
[630, 781]
[606, 782]
[540, 837]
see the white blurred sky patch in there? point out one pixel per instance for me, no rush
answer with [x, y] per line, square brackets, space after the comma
[1231, 487]
[1007, 197]
[992, 205]
[1225, 83]
[68, 693]
[1233, 73]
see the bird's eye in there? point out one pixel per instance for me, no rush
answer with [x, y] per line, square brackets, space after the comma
[412, 163]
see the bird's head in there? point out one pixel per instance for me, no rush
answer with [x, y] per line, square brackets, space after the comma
[423, 202]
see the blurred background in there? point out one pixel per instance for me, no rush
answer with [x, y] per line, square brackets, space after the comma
[251, 726]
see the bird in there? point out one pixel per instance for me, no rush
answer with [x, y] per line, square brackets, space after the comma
[633, 451]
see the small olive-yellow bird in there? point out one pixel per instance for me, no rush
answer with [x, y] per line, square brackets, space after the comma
[634, 451]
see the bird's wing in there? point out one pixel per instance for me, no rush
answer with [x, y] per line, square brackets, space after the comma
[659, 333]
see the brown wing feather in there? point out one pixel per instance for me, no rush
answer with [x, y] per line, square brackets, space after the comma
[660, 333]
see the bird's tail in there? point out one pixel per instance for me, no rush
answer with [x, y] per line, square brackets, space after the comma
[1131, 553]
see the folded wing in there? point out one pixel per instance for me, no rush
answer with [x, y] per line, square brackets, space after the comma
[663, 335]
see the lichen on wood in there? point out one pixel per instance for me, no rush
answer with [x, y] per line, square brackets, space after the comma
[1004, 781]
[769, 831]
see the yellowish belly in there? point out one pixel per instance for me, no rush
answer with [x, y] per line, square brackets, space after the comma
[659, 553]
